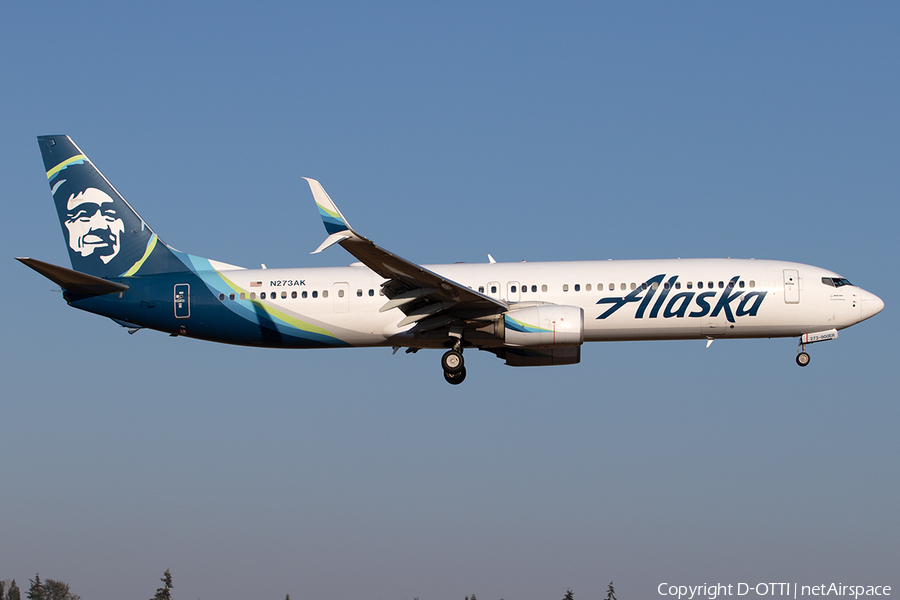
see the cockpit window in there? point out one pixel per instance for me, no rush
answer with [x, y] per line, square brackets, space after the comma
[836, 281]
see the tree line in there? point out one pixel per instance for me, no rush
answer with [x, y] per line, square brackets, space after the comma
[51, 589]
[570, 595]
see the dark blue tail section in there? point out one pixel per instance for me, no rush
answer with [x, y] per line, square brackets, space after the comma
[105, 236]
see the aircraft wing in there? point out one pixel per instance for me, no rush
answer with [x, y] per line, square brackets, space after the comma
[426, 298]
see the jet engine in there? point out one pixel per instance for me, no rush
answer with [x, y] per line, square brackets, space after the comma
[547, 325]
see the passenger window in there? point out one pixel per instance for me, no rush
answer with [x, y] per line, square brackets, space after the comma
[752, 283]
[587, 287]
[315, 294]
[677, 285]
[221, 296]
[731, 284]
[303, 294]
[493, 289]
[293, 295]
[721, 284]
[644, 285]
[283, 295]
[577, 287]
[700, 285]
[633, 286]
[544, 287]
[565, 287]
[710, 285]
[231, 296]
[324, 293]
[667, 285]
[741, 283]
[534, 288]
[371, 292]
[599, 287]
[340, 293]
[690, 285]
[512, 289]
[359, 293]
[481, 289]
[253, 295]
[243, 296]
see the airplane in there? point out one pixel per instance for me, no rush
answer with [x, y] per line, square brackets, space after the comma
[525, 313]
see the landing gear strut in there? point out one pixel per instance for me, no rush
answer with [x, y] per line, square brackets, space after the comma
[453, 364]
[802, 356]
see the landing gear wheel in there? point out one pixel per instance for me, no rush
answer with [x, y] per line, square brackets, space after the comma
[452, 362]
[455, 378]
[803, 359]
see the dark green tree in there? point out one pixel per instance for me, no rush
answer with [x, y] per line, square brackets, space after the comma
[569, 595]
[163, 592]
[58, 590]
[611, 593]
[13, 593]
[36, 591]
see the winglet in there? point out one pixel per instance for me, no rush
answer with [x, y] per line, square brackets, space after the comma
[335, 224]
[332, 239]
[332, 218]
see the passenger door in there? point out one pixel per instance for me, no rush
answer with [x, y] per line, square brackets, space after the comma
[791, 286]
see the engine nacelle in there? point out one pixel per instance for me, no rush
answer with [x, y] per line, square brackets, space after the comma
[548, 325]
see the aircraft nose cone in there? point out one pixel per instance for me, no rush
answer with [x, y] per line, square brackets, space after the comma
[870, 305]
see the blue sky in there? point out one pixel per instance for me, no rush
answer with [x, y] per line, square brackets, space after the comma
[444, 133]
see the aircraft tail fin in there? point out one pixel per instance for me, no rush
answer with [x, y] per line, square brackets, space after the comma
[105, 236]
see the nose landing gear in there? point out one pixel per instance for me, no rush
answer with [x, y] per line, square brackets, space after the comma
[811, 338]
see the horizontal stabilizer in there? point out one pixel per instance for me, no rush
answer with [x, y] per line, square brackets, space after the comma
[74, 281]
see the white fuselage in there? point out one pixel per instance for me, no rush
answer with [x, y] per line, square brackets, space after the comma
[621, 299]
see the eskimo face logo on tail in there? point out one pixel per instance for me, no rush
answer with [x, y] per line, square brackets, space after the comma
[93, 224]
[733, 301]
[104, 235]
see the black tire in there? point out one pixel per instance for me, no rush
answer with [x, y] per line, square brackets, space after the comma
[803, 359]
[452, 362]
[455, 378]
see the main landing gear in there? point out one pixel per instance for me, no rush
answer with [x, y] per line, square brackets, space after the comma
[453, 364]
